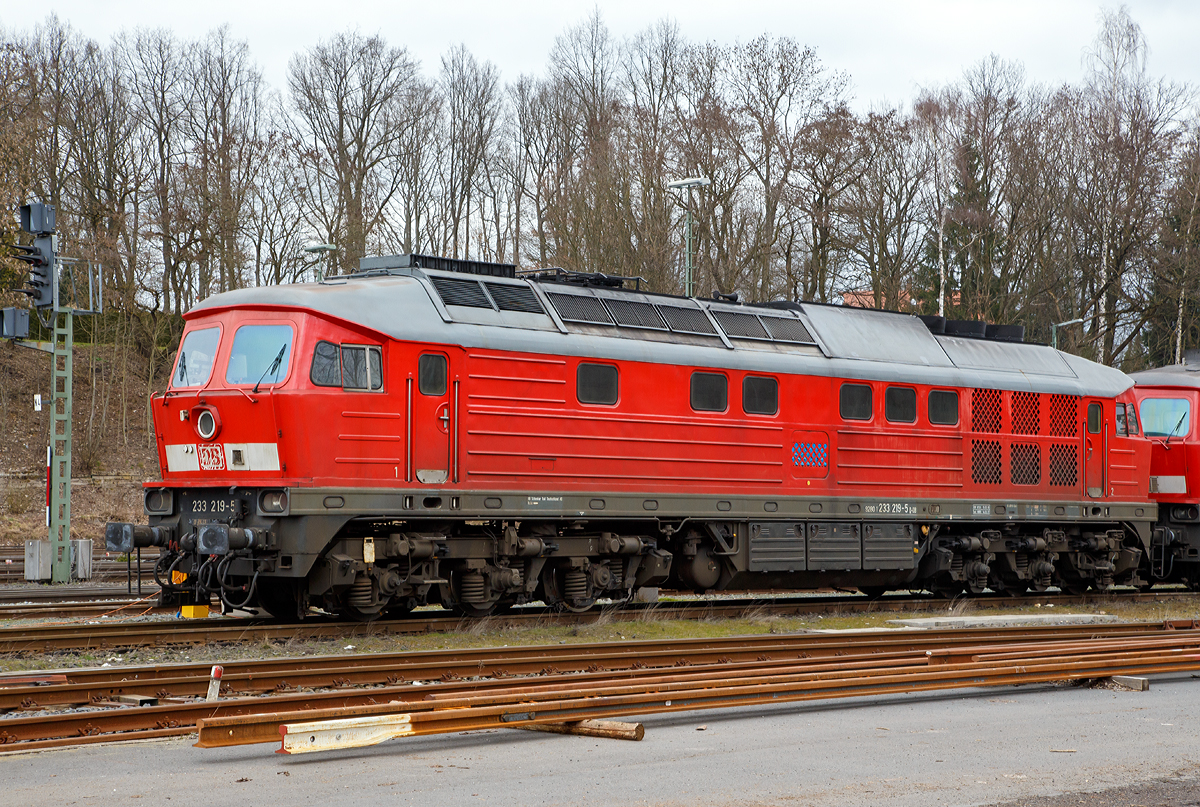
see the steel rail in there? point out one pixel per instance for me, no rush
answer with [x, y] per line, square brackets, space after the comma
[50, 730]
[31, 639]
[180, 680]
[516, 708]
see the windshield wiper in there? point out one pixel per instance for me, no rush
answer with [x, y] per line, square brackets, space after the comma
[1167, 442]
[182, 372]
[274, 368]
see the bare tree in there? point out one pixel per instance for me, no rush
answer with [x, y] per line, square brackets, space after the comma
[352, 99]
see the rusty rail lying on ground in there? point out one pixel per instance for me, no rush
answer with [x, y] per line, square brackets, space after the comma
[633, 676]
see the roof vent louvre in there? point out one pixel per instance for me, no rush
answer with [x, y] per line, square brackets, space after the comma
[514, 298]
[466, 293]
[737, 324]
[634, 314]
[686, 320]
[577, 308]
[788, 330]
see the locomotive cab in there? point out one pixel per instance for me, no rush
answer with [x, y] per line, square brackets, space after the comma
[1167, 404]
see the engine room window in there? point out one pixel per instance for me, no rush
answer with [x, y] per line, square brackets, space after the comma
[1166, 417]
[855, 402]
[196, 355]
[1093, 418]
[326, 367]
[259, 354]
[1122, 431]
[760, 396]
[431, 374]
[596, 384]
[710, 392]
[943, 407]
[900, 404]
[362, 367]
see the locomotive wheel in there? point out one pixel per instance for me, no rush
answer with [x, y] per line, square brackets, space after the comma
[362, 616]
[1073, 589]
[553, 586]
[284, 598]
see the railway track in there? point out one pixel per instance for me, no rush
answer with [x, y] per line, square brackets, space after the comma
[635, 677]
[116, 635]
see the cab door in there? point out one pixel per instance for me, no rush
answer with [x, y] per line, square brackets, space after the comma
[433, 419]
[1095, 449]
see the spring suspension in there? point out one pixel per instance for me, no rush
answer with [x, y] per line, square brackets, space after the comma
[360, 593]
[575, 584]
[616, 567]
[472, 588]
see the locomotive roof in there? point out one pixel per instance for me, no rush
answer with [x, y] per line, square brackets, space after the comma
[524, 315]
[1174, 375]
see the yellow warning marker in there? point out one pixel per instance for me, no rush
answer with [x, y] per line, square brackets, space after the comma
[194, 612]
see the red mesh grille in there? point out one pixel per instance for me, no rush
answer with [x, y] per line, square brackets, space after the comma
[985, 410]
[1026, 417]
[1025, 463]
[985, 462]
[1064, 464]
[1064, 416]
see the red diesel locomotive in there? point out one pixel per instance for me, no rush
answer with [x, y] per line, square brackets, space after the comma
[1167, 399]
[439, 431]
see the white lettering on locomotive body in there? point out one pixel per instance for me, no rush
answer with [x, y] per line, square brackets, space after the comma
[890, 508]
[534, 501]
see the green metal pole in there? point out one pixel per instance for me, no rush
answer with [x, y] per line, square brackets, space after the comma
[61, 404]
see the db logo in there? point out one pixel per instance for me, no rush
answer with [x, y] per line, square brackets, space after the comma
[212, 457]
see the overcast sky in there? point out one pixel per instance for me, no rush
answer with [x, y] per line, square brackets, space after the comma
[889, 48]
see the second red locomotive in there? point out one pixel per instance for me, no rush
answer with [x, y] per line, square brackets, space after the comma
[437, 431]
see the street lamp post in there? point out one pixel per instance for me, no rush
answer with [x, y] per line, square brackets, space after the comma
[688, 184]
[1054, 330]
[317, 249]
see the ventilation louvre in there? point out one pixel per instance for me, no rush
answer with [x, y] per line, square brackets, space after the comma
[986, 462]
[577, 308]
[1026, 415]
[736, 324]
[1064, 463]
[985, 410]
[1025, 464]
[686, 320]
[783, 329]
[467, 293]
[514, 298]
[1064, 416]
[634, 314]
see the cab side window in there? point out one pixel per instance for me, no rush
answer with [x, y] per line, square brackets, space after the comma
[1122, 430]
[351, 367]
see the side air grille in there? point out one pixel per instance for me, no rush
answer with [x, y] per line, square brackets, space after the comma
[514, 298]
[461, 292]
[686, 320]
[576, 308]
[985, 410]
[741, 325]
[634, 314]
[787, 330]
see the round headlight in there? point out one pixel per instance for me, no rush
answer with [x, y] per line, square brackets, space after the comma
[273, 501]
[207, 424]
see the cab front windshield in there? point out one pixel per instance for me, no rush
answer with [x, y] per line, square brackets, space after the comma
[259, 354]
[196, 355]
[1166, 417]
